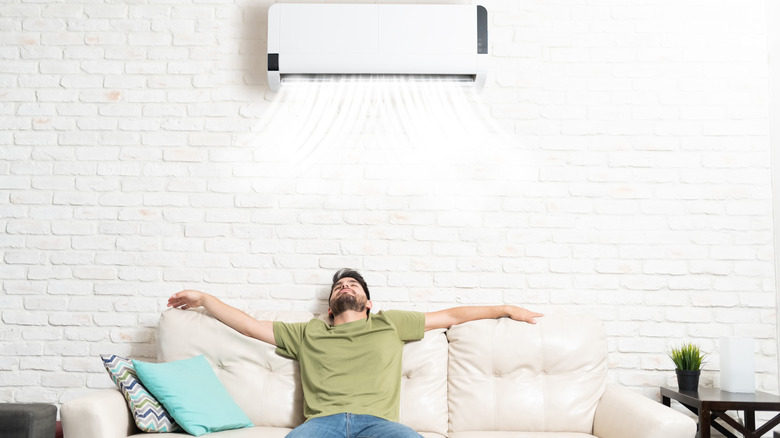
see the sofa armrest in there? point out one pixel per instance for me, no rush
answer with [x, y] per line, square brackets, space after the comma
[101, 414]
[622, 413]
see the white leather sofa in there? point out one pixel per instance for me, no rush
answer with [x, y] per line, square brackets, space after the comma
[483, 379]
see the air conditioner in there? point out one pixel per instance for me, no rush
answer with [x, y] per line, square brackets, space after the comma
[376, 39]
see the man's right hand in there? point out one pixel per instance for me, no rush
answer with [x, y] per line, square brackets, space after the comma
[187, 299]
[232, 317]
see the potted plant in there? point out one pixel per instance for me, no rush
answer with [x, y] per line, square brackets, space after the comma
[688, 360]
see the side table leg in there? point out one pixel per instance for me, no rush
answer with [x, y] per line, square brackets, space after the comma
[750, 420]
[704, 422]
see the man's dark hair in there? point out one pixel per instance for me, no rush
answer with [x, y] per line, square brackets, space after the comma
[350, 273]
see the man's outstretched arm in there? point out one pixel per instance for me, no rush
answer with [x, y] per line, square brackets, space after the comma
[458, 315]
[230, 316]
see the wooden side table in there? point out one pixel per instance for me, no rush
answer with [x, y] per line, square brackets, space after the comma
[711, 404]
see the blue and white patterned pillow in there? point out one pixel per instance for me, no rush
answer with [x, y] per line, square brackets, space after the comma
[148, 413]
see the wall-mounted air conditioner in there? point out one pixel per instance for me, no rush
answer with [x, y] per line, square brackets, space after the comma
[376, 39]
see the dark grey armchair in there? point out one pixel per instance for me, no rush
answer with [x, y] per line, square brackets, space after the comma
[33, 420]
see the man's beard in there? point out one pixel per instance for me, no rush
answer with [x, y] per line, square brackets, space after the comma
[344, 302]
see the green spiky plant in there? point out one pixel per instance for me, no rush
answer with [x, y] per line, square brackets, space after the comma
[687, 357]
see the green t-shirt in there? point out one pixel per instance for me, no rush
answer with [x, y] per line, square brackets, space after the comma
[353, 367]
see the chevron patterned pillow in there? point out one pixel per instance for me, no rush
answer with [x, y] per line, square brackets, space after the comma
[148, 413]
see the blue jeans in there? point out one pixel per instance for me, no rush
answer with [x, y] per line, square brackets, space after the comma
[352, 426]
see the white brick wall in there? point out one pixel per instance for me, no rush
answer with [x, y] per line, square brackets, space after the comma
[141, 154]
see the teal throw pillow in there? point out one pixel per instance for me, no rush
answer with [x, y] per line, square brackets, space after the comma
[192, 395]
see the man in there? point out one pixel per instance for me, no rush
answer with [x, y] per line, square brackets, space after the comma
[351, 368]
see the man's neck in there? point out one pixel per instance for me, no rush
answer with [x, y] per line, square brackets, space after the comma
[348, 316]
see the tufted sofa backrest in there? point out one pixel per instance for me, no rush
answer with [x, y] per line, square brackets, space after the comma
[491, 375]
[510, 376]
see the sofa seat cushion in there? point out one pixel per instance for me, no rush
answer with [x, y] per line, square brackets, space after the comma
[483, 434]
[251, 432]
[256, 432]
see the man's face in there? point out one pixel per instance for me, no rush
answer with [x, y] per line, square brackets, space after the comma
[347, 294]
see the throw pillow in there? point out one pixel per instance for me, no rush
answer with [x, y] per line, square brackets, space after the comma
[193, 395]
[148, 413]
